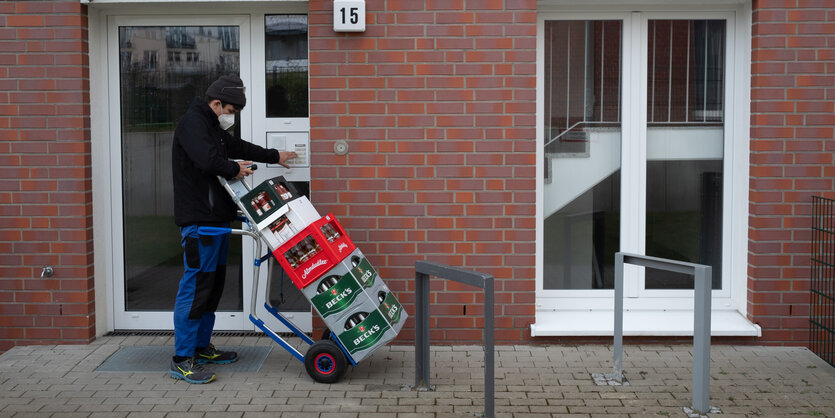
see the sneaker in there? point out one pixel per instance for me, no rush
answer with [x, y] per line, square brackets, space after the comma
[211, 354]
[191, 371]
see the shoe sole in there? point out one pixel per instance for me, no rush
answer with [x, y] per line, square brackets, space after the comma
[207, 361]
[179, 376]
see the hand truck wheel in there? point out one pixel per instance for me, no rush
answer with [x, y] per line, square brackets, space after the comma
[325, 362]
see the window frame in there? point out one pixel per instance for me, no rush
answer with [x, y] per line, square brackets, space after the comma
[554, 306]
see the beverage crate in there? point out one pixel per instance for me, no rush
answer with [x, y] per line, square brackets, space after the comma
[336, 297]
[374, 287]
[267, 198]
[310, 253]
[353, 286]
[364, 332]
[287, 221]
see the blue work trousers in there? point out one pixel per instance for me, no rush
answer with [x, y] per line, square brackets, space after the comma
[200, 289]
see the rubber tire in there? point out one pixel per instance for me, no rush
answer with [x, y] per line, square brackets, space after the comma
[326, 334]
[325, 362]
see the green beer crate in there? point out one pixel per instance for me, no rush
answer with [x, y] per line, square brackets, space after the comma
[336, 297]
[352, 288]
[374, 287]
[370, 333]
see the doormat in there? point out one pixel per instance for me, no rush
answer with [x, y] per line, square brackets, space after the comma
[158, 358]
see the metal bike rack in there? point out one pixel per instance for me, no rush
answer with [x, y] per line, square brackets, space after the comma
[425, 269]
[701, 326]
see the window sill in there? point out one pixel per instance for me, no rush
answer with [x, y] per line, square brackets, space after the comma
[639, 323]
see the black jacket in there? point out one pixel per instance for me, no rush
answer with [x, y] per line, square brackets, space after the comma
[201, 152]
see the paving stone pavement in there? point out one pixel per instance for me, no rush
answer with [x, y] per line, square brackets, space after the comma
[530, 381]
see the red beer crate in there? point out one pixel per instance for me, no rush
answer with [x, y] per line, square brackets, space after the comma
[337, 239]
[312, 252]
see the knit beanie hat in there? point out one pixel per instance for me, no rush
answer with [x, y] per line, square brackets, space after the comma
[228, 89]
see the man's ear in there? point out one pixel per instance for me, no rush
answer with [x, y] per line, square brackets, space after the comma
[217, 106]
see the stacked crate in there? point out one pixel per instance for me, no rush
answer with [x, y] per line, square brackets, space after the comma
[323, 262]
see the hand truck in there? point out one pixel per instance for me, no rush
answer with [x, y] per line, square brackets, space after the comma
[366, 326]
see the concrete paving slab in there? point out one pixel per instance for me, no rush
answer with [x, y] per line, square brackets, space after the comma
[531, 381]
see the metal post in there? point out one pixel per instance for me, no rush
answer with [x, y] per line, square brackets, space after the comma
[421, 330]
[425, 269]
[702, 278]
[701, 339]
[489, 361]
[618, 332]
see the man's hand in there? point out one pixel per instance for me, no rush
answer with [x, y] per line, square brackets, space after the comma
[286, 155]
[243, 170]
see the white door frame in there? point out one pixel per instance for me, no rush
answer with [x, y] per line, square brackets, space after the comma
[159, 319]
[588, 312]
[105, 135]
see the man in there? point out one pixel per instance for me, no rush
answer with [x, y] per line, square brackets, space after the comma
[201, 151]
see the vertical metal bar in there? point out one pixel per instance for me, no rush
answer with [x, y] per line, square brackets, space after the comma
[816, 269]
[602, 67]
[568, 78]
[422, 330]
[701, 339]
[489, 354]
[826, 285]
[687, 76]
[652, 100]
[704, 75]
[827, 322]
[618, 331]
[670, 78]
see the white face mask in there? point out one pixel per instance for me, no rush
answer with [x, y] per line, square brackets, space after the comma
[226, 120]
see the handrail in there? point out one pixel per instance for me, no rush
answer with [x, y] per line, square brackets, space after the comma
[425, 269]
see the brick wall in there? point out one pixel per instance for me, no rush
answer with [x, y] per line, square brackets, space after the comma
[437, 102]
[793, 87]
[45, 185]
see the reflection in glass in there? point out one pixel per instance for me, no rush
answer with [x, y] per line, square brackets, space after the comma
[287, 66]
[283, 294]
[685, 147]
[161, 70]
[582, 153]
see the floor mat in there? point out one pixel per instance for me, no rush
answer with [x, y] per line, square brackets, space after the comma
[158, 358]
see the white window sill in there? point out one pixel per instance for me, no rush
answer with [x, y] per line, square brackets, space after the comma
[639, 322]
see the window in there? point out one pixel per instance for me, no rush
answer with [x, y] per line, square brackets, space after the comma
[637, 139]
[286, 66]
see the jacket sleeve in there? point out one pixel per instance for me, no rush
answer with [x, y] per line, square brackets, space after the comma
[238, 148]
[201, 147]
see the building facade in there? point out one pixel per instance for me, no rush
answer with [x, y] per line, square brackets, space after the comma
[526, 139]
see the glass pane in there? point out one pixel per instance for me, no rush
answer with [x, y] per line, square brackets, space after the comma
[582, 153]
[162, 69]
[286, 72]
[685, 147]
[283, 294]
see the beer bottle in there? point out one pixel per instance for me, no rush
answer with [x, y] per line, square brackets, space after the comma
[327, 283]
[291, 258]
[355, 319]
[308, 247]
[255, 206]
[282, 191]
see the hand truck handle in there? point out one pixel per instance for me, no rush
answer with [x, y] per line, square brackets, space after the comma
[213, 230]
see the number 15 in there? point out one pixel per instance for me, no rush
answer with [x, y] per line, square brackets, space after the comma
[353, 15]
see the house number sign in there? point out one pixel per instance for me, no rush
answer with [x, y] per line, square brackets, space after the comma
[349, 15]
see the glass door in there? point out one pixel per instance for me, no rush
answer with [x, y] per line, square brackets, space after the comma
[582, 149]
[632, 127]
[157, 68]
[684, 147]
